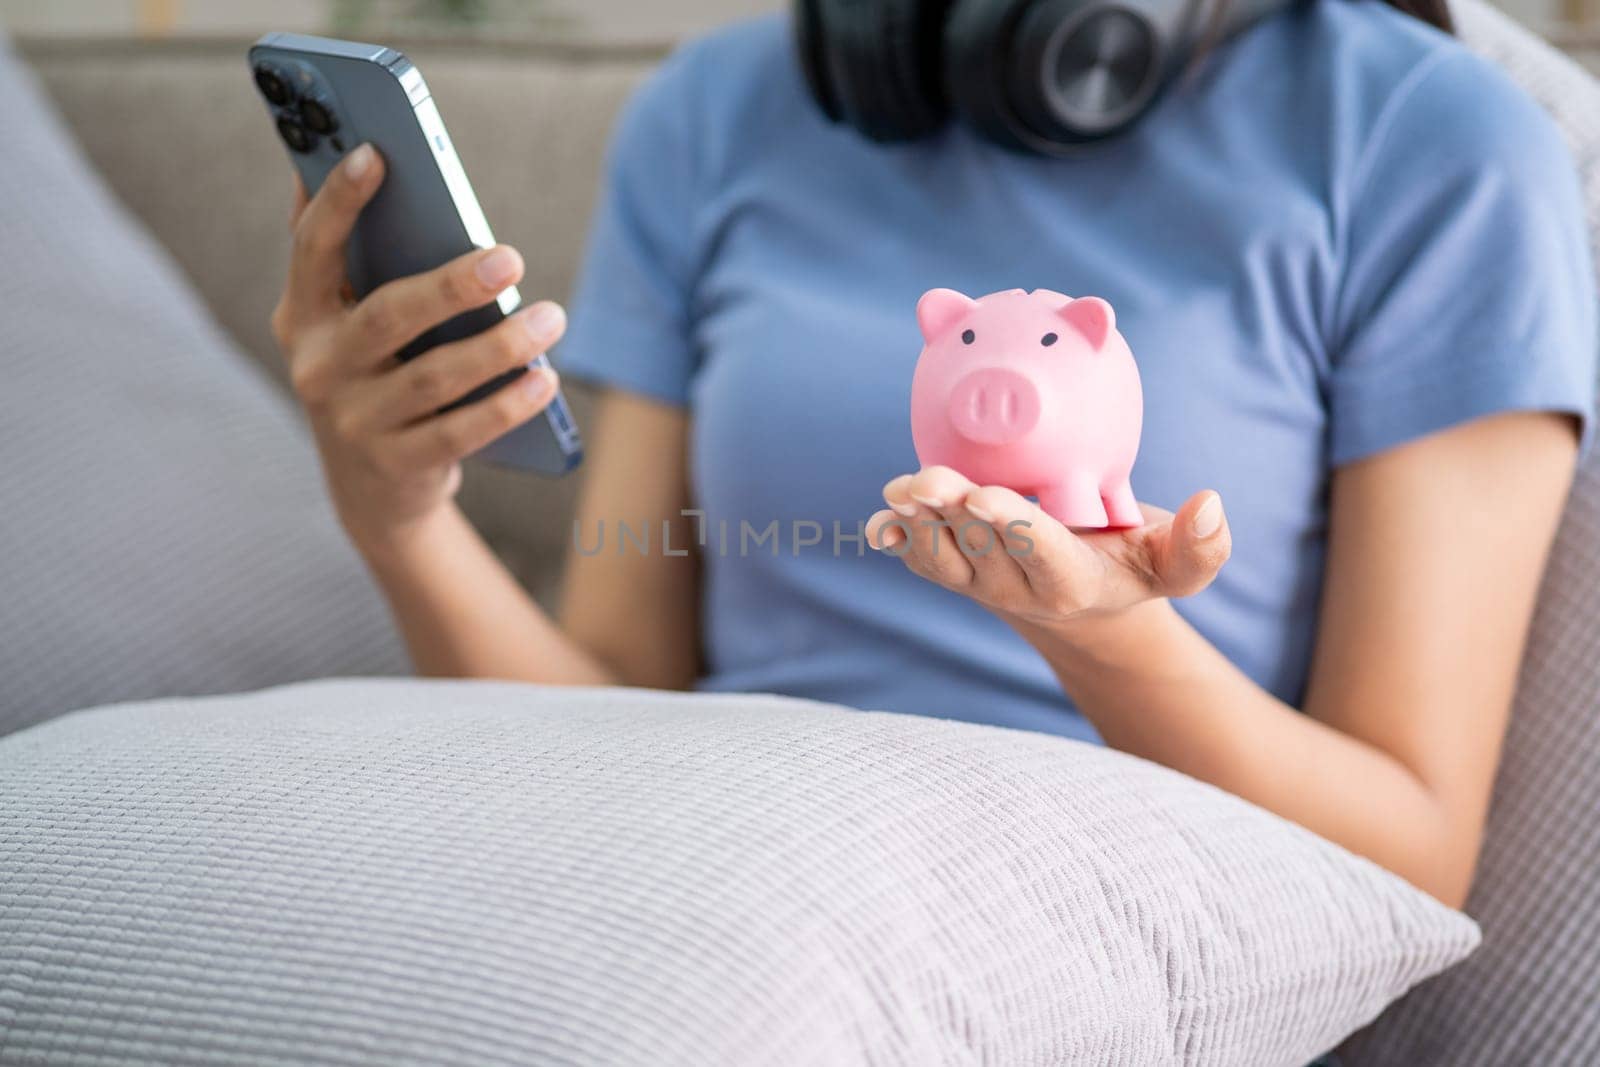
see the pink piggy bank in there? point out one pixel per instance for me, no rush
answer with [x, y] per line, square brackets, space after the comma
[1034, 391]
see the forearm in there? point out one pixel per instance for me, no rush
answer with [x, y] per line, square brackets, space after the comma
[463, 615]
[1156, 688]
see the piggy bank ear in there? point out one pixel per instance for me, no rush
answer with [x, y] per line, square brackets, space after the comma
[940, 309]
[1091, 317]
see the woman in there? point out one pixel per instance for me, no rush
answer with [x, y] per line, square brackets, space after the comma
[1349, 258]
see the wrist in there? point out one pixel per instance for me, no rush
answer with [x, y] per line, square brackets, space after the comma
[388, 544]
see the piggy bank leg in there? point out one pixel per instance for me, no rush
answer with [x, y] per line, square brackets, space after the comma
[1074, 501]
[1122, 507]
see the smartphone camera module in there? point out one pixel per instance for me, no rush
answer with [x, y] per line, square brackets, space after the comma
[296, 136]
[318, 117]
[273, 85]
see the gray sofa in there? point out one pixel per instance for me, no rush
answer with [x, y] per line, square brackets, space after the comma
[177, 836]
[530, 124]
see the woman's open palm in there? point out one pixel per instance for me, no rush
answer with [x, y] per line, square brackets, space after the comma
[1030, 569]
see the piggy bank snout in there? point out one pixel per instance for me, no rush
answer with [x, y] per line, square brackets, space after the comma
[994, 406]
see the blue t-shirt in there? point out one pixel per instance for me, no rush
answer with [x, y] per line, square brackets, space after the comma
[1343, 233]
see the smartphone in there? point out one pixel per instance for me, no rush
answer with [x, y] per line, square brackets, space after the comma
[328, 96]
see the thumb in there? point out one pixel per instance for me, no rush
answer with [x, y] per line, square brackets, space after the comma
[1188, 553]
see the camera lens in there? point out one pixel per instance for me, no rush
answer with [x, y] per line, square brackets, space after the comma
[272, 85]
[317, 117]
[296, 136]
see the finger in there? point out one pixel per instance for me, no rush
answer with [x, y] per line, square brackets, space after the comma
[929, 548]
[396, 314]
[945, 492]
[297, 205]
[418, 389]
[1062, 571]
[936, 487]
[897, 494]
[1153, 516]
[926, 538]
[1012, 516]
[457, 434]
[887, 532]
[1186, 554]
[916, 498]
[929, 490]
[932, 550]
[316, 264]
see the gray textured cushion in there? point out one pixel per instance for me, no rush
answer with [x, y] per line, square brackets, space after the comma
[389, 872]
[162, 525]
[1532, 994]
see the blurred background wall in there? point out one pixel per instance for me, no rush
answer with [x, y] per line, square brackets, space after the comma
[628, 20]
[609, 19]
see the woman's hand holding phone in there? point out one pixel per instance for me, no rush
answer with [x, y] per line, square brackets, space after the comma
[391, 458]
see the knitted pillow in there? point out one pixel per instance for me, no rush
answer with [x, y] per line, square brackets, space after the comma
[415, 872]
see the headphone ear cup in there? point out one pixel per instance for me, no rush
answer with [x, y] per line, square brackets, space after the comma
[811, 45]
[875, 64]
[976, 54]
[911, 62]
[1048, 76]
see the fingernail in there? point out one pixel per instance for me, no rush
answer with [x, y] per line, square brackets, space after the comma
[978, 513]
[538, 383]
[359, 161]
[1208, 520]
[905, 511]
[544, 320]
[497, 268]
[928, 501]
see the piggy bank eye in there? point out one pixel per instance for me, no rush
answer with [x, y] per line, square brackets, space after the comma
[968, 337]
[1049, 339]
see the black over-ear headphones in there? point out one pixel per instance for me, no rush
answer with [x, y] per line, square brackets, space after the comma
[1045, 76]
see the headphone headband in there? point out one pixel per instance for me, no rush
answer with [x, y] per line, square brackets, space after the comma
[1041, 76]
